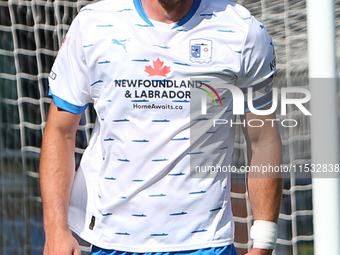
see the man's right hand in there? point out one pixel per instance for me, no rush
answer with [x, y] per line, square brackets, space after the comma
[61, 244]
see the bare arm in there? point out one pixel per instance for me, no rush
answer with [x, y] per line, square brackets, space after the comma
[57, 166]
[265, 190]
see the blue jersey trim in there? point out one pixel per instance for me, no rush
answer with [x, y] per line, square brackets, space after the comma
[61, 103]
[140, 10]
[189, 15]
[259, 85]
[186, 18]
[224, 250]
[260, 102]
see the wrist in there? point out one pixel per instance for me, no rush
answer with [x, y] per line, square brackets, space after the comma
[264, 234]
[54, 229]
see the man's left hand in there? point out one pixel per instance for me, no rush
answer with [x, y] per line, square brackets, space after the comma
[255, 251]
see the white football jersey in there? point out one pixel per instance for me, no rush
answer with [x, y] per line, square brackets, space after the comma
[151, 179]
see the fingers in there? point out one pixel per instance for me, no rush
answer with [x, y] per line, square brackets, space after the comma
[77, 252]
[62, 245]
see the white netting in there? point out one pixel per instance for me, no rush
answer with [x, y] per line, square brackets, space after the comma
[30, 35]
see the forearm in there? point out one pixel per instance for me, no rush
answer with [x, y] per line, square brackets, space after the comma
[57, 168]
[265, 189]
[264, 152]
[56, 176]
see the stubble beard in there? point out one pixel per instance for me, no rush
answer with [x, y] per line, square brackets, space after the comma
[170, 3]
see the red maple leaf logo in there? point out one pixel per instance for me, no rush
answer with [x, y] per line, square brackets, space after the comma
[158, 68]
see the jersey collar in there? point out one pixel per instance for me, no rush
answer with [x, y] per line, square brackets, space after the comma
[186, 18]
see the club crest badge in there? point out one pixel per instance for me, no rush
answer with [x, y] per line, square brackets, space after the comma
[200, 51]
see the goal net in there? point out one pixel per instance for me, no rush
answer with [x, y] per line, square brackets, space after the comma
[30, 35]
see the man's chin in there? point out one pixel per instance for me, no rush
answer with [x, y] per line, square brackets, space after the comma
[170, 3]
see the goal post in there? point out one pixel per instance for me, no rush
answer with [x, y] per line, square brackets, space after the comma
[31, 32]
[323, 82]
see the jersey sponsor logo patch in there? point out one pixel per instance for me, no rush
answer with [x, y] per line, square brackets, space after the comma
[200, 51]
[157, 68]
[121, 43]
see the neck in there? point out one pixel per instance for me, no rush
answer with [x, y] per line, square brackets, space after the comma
[167, 11]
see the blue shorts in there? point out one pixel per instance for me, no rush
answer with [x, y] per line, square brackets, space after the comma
[224, 250]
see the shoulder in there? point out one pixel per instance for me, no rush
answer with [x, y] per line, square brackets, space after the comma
[238, 10]
[226, 10]
[226, 16]
[239, 19]
[105, 13]
[105, 8]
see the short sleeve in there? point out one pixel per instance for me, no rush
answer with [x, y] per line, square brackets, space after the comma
[68, 79]
[258, 65]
